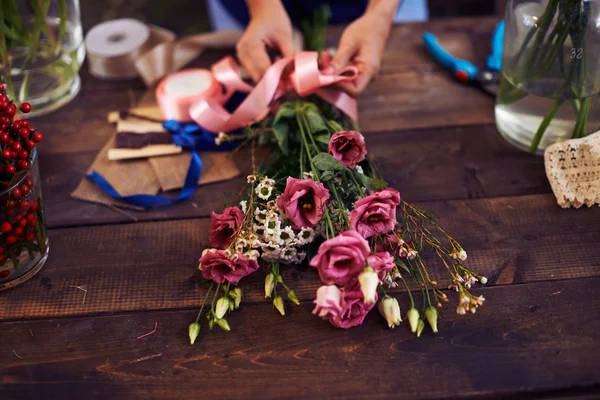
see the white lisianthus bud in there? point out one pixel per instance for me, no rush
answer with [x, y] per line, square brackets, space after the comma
[222, 307]
[431, 315]
[223, 324]
[269, 285]
[278, 304]
[462, 255]
[293, 298]
[194, 331]
[390, 310]
[413, 319]
[236, 294]
[483, 280]
[420, 327]
[369, 281]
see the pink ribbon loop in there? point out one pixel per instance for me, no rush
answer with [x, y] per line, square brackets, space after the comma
[306, 78]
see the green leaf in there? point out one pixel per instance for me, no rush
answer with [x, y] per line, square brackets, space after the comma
[402, 265]
[316, 122]
[281, 129]
[325, 162]
[371, 183]
[334, 126]
[323, 139]
[286, 111]
[327, 176]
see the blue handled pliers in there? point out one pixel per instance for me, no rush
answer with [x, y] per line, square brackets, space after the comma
[485, 79]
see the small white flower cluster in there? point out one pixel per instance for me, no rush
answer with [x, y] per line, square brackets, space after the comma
[468, 280]
[469, 303]
[222, 138]
[460, 255]
[391, 278]
[277, 242]
[404, 251]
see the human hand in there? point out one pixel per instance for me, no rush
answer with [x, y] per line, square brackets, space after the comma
[270, 27]
[361, 45]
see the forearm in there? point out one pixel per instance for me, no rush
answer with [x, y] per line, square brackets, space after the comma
[257, 6]
[384, 9]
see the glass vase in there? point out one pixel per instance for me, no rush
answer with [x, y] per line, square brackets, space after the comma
[41, 51]
[550, 83]
[23, 241]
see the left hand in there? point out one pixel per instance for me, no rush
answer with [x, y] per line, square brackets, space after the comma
[361, 45]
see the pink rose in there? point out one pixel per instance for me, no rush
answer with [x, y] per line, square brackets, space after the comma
[216, 266]
[376, 213]
[382, 262]
[348, 147]
[303, 201]
[341, 259]
[355, 310]
[223, 226]
[328, 302]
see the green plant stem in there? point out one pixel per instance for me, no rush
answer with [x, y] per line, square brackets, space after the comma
[212, 306]
[412, 301]
[535, 142]
[204, 301]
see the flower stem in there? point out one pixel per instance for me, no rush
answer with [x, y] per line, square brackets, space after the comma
[204, 301]
[535, 142]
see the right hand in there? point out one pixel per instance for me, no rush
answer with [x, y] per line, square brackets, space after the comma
[269, 26]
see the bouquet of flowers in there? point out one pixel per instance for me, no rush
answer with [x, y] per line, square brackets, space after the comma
[318, 199]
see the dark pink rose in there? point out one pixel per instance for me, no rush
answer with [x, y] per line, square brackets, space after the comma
[354, 308]
[216, 266]
[382, 262]
[223, 226]
[376, 213]
[348, 147]
[303, 201]
[341, 259]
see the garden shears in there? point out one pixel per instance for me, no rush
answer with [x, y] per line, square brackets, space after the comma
[486, 79]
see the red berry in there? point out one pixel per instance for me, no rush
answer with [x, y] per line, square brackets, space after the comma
[10, 110]
[32, 222]
[19, 231]
[15, 126]
[6, 227]
[34, 206]
[29, 236]
[24, 189]
[23, 154]
[30, 216]
[1, 87]
[23, 222]
[22, 165]
[11, 239]
[4, 120]
[37, 137]
[6, 154]
[24, 205]
[13, 154]
[11, 204]
[4, 138]
[24, 133]
[3, 101]
[24, 123]
[16, 146]
[25, 107]
[5, 273]
[16, 194]
[29, 144]
[2, 249]
[11, 170]
[29, 182]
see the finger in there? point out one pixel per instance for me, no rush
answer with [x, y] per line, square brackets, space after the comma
[286, 46]
[348, 87]
[364, 78]
[343, 55]
[254, 58]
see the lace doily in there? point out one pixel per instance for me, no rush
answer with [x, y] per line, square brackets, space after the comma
[573, 169]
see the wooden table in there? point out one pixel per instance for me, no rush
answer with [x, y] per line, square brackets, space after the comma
[537, 334]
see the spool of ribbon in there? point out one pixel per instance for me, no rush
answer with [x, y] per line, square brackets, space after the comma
[126, 48]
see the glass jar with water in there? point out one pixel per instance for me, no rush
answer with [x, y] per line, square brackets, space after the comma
[550, 86]
[41, 51]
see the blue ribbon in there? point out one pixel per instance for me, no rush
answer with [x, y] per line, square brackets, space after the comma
[190, 136]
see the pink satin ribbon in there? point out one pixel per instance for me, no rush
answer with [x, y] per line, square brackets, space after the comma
[306, 78]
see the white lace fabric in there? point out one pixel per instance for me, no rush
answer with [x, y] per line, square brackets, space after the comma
[573, 169]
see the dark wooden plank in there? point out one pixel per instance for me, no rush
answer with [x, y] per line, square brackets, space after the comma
[151, 265]
[527, 339]
[432, 164]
